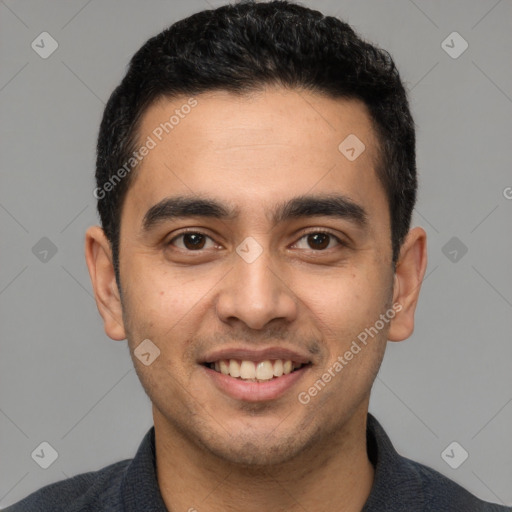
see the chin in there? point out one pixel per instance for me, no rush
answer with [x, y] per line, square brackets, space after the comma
[255, 448]
[253, 454]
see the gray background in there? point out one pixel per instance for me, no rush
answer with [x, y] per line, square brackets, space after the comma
[65, 382]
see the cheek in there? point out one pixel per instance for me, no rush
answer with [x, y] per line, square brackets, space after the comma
[345, 308]
[343, 298]
[160, 297]
[167, 307]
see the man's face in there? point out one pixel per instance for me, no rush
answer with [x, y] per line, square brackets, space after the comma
[265, 284]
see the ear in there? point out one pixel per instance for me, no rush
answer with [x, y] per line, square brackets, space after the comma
[409, 274]
[98, 256]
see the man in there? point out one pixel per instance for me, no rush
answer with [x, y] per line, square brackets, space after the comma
[255, 182]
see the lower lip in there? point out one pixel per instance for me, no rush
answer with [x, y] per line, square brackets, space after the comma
[255, 391]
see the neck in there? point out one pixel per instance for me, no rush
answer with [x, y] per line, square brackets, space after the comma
[336, 473]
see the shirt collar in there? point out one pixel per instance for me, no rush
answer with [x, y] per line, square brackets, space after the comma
[395, 476]
[140, 491]
[139, 488]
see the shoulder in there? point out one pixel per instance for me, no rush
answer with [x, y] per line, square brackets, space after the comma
[86, 492]
[401, 484]
[442, 494]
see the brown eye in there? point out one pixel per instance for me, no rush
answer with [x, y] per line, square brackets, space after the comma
[190, 241]
[319, 241]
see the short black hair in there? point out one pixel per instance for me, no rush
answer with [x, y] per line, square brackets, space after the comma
[244, 47]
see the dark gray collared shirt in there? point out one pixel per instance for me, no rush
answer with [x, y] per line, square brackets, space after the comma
[400, 485]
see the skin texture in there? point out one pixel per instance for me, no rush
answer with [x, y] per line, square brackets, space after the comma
[254, 152]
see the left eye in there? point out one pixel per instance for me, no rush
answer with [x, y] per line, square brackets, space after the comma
[319, 240]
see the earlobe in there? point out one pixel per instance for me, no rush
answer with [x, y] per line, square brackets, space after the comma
[409, 274]
[98, 256]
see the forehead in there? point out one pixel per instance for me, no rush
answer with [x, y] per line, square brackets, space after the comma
[254, 150]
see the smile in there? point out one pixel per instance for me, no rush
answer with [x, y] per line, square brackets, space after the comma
[256, 375]
[255, 371]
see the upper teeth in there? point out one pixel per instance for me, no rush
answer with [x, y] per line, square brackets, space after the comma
[259, 370]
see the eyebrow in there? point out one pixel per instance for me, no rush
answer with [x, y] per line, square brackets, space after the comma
[330, 205]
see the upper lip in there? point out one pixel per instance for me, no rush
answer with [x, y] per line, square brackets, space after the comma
[248, 354]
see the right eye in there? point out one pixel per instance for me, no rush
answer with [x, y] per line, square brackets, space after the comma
[191, 241]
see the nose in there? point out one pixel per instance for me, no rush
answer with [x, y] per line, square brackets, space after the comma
[255, 293]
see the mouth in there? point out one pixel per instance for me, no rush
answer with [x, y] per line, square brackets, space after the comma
[255, 371]
[254, 376]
